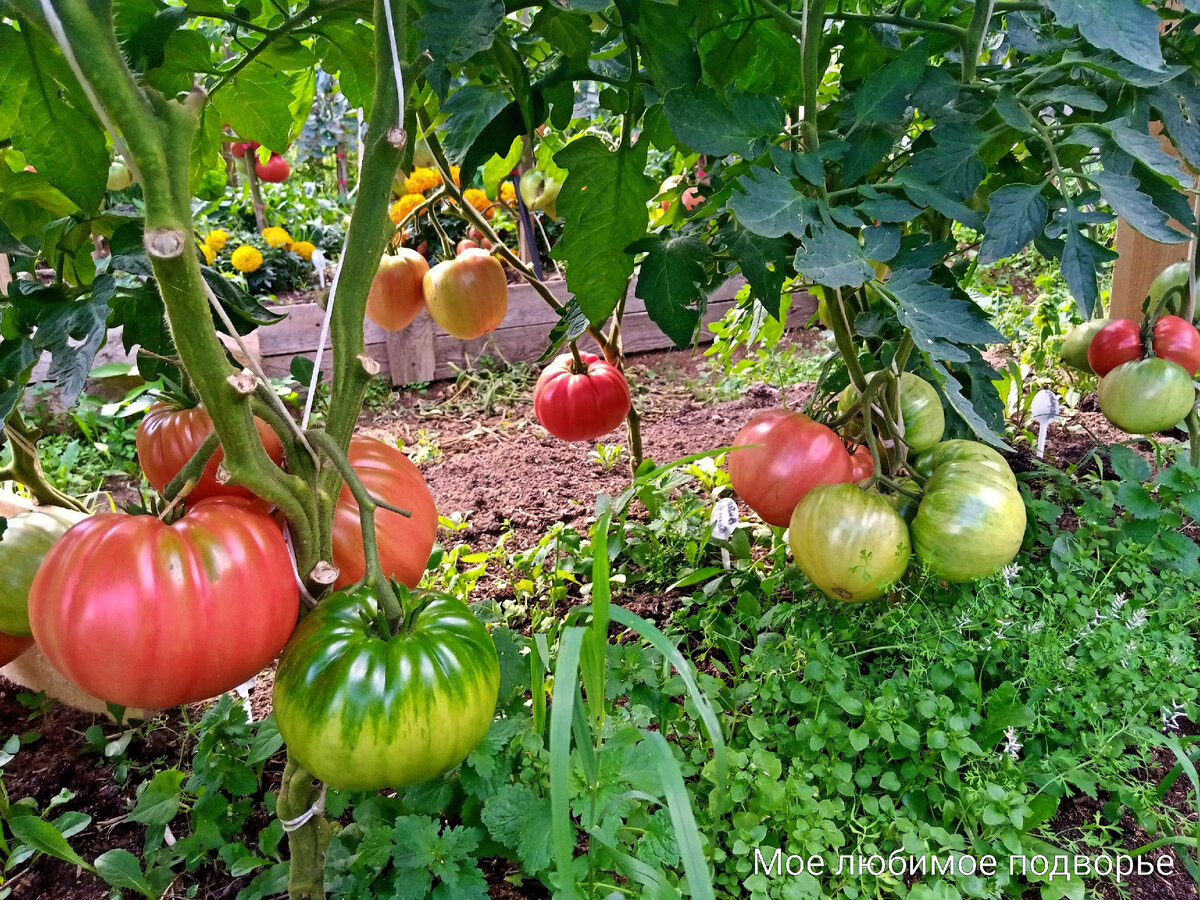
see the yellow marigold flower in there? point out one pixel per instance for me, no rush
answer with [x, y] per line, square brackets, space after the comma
[422, 179]
[276, 237]
[477, 198]
[216, 239]
[209, 253]
[303, 249]
[246, 259]
[508, 193]
[404, 206]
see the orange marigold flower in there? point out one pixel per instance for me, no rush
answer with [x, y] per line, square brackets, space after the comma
[402, 207]
[422, 179]
[453, 171]
[477, 198]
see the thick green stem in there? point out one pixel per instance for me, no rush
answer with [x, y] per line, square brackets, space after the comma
[26, 468]
[810, 40]
[972, 40]
[843, 335]
[633, 424]
[193, 469]
[1193, 424]
[308, 843]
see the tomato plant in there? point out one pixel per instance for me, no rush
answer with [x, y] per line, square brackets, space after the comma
[852, 544]
[468, 295]
[24, 543]
[581, 405]
[365, 709]
[779, 456]
[404, 542]
[396, 294]
[1178, 340]
[1119, 341]
[141, 613]
[168, 437]
[1147, 395]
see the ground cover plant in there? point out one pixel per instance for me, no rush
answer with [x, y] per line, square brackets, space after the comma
[919, 658]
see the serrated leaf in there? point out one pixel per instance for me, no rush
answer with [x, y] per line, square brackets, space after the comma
[669, 50]
[952, 390]
[1127, 464]
[881, 242]
[347, 50]
[520, 820]
[468, 111]
[453, 32]
[604, 202]
[888, 209]
[763, 263]
[1081, 261]
[709, 123]
[1127, 27]
[833, 258]
[1122, 194]
[669, 282]
[572, 322]
[15, 73]
[264, 104]
[924, 194]
[44, 838]
[1077, 98]
[953, 163]
[243, 308]
[934, 315]
[1018, 212]
[883, 96]
[72, 330]
[770, 205]
[1147, 149]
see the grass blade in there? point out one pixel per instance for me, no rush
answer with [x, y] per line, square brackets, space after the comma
[562, 712]
[687, 835]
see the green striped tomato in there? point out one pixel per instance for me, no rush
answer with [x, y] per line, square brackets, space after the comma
[23, 545]
[363, 711]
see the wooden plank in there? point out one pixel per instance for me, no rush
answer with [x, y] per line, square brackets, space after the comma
[300, 331]
[1140, 260]
[410, 353]
[279, 365]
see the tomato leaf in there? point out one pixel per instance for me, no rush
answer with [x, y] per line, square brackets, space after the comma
[763, 263]
[935, 316]
[882, 98]
[709, 123]
[604, 202]
[833, 258]
[1018, 213]
[668, 48]
[1127, 27]
[1081, 259]
[669, 282]
[770, 205]
[348, 51]
[1122, 194]
[454, 32]
[262, 103]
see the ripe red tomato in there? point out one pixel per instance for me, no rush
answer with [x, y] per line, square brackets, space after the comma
[779, 456]
[468, 295]
[12, 646]
[1178, 340]
[141, 613]
[396, 296]
[465, 245]
[241, 148]
[275, 169]
[861, 464]
[168, 437]
[581, 406]
[404, 542]
[1117, 342]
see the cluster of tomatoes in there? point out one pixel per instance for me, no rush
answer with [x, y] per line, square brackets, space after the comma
[959, 510]
[1145, 370]
[149, 613]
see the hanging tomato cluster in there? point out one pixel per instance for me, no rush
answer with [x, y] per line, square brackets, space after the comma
[963, 519]
[1146, 370]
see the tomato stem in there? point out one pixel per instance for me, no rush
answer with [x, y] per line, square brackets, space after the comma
[1193, 424]
[188, 477]
[25, 466]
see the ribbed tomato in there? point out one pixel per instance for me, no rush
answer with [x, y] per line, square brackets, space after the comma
[141, 613]
[1147, 395]
[24, 544]
[581, 406]
[468, 295]
[779, 456]
[1117, 342]
[1178, 340]
[852, 544]
[404, 542]
[364, 711]
[12, 646]
[959, 450]
[168, 437]
[396, 294]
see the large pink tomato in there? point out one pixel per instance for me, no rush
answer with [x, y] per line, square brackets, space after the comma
[404, 542]
[141, 613]
[779, 456]
[581, 406]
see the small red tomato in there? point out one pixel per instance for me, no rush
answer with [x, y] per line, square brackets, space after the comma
[1117, 342]
[861, 463]
[581, 406]
[1178, 340]
[465, 245]
[275, 169]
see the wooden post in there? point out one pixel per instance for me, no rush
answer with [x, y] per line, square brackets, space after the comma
[410, 353]
[1140, 260]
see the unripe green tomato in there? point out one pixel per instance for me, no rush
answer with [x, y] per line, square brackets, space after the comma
[25, 542]
[422, 155]
[920, 405]
[851, 543]
[1076, 343]
[959, 450]
[1147, 395]
[119, 176]
[1174, 278]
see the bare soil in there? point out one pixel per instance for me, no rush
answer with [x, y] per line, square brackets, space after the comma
[503, 473]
